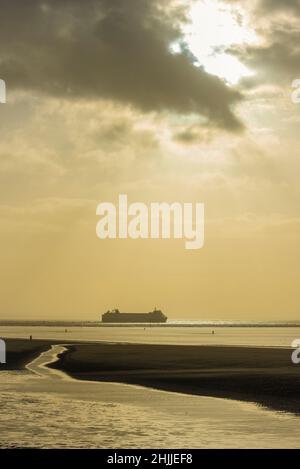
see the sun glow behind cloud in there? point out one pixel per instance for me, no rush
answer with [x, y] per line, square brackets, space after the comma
[212, 28]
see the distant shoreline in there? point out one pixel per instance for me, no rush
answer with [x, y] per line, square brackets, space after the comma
[199, 324]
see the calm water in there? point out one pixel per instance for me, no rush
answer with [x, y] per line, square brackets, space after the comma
[44, 408]
[257, 336]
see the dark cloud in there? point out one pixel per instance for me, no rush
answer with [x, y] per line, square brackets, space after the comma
[194, 134]
[269, 6]
[275, 62]
[114, 49]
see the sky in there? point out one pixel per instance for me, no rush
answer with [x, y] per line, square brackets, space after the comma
[162, 100]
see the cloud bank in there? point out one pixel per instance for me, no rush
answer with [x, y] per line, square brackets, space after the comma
[117, 50]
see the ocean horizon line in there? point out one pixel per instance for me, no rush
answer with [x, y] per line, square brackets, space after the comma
[171, 323]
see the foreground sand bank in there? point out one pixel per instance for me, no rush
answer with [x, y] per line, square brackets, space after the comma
[19, 352]
[262, 375]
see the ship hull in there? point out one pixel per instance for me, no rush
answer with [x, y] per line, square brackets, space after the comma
[133, 318]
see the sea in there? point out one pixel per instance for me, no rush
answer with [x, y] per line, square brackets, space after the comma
[44, 408]
[176, 332]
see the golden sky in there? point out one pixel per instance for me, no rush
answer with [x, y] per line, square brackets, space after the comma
[163, 100]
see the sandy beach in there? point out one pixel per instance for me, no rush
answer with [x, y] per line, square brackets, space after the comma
[265, 376]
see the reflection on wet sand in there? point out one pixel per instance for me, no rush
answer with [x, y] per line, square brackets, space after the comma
[42, 407]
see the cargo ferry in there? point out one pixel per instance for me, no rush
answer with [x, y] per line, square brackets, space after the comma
[155, 316]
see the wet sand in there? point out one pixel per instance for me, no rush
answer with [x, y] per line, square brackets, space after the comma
[265, 376]
[19, 352]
